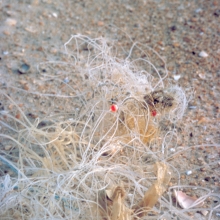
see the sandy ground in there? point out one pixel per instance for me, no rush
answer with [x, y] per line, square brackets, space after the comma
[185, 33]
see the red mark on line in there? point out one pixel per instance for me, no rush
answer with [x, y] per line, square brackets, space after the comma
[154, 113]
[114, 108]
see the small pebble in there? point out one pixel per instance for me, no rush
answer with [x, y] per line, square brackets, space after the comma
[172, 149]
[192, 107]
[15, 188]
[24, 68]
[55, 14]
[188, 172]
[18, 116]
[176, 44]
[6, 32]
[198, 10]
[129, 8]
[66, 80]
[176, 77]
[21, 105]
[202, 120]
[53, 50]
[215, 3]
[100, 23]
[5, 52]
[32, 115]
[31, 29]
[26, 87]
[10, 107]
[207, 179]
[202, 75]
[203, 54]
[10, 22]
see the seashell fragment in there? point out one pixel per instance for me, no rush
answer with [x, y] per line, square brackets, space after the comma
[186, 201]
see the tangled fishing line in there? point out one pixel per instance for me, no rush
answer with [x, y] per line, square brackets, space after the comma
[97, 145]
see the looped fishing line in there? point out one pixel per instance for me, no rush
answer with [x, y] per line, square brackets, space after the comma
[97, 133]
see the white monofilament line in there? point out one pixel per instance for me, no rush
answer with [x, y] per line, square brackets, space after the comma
[60, 169]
